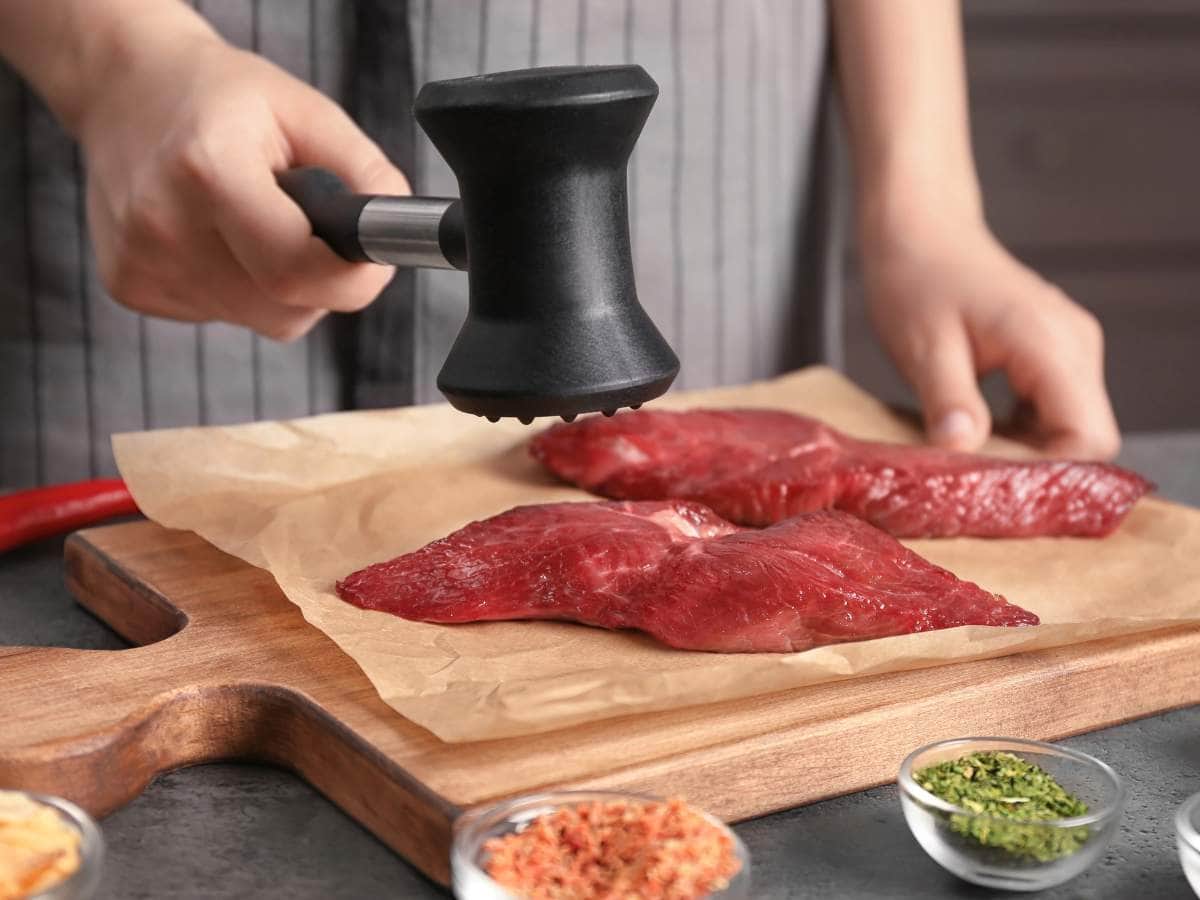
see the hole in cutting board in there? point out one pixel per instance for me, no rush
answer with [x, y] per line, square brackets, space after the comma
[37, 609]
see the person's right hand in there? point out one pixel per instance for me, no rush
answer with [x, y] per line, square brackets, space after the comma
[181, 143]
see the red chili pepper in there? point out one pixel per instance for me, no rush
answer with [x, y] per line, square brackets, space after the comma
[27, 516]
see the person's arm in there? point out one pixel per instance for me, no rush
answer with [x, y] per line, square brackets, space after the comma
[948, 302]
[182, 134]
[67, 50]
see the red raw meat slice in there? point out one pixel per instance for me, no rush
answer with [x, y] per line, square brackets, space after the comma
[558, 560]
[757, 467]
[677, 571]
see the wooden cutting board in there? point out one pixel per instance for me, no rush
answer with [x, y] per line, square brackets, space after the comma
[227, 668]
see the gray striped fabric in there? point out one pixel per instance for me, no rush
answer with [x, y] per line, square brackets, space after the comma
[730, 201]
[75, 367]
[722, 180]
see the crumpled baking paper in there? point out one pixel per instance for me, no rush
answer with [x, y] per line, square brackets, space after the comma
[314, 499]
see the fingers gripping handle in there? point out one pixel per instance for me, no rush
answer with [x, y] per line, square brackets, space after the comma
[331, 209]
[424, 232]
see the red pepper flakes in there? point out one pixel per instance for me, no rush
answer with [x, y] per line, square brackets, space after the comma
[615, 850]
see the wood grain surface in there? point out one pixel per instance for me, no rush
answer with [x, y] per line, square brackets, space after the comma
[227, 668]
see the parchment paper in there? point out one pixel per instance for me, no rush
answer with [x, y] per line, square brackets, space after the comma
[314, 499]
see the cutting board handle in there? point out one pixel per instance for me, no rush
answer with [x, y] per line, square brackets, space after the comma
[89, 726]
[224, 668]
[76, 725]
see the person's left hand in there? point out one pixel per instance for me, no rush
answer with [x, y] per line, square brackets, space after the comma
[950, 304]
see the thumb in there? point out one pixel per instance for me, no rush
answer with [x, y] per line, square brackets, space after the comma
[941, 369]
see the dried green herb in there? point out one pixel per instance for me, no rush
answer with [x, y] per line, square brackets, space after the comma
[1013, 795]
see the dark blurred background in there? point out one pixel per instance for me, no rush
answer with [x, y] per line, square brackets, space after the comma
[1086, 124]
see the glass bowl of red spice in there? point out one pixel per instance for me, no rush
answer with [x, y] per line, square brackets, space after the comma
[578, 845]
[1010, 813]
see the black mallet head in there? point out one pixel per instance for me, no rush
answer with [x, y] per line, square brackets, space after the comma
[554, 325]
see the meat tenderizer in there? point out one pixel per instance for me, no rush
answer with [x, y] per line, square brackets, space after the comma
[554, 325]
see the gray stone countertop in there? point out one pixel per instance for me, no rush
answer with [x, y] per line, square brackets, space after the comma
[240, 831]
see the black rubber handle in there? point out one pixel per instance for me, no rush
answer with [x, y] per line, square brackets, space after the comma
[330, 207]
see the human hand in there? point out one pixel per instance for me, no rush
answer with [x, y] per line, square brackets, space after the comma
[182, 139]
[950, 304]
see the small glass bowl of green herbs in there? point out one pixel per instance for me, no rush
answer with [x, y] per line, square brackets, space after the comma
[1009, 813]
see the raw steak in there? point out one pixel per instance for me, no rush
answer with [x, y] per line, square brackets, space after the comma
[678, 571]
[761, 466]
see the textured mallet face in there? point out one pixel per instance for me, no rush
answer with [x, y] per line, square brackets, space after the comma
[556, 392]
[568, 417]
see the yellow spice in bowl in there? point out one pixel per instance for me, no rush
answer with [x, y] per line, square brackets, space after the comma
[38, 849]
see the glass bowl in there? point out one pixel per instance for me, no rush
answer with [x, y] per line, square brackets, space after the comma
[1187, 835]
[936, 824]
[475, 827]
[82, 884]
